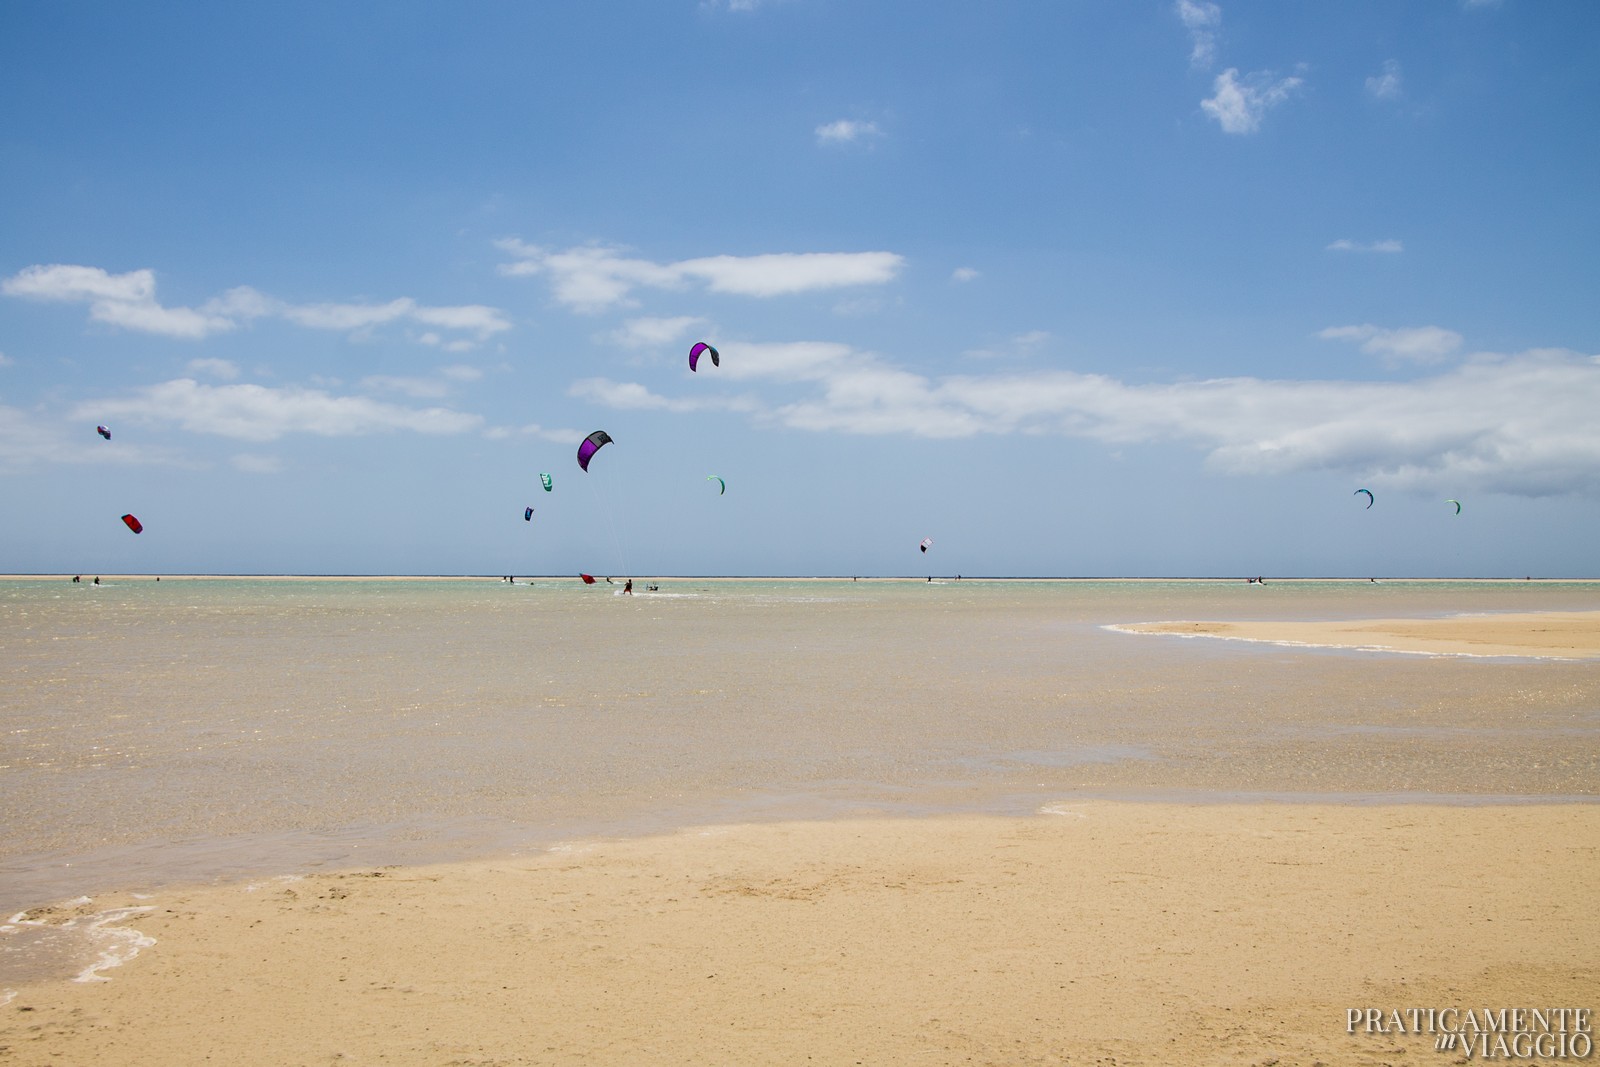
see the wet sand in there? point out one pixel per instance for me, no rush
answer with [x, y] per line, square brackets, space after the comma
[1543, 635]
[1093, 932]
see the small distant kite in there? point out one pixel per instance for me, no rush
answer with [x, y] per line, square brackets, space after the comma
[527, 515]
[1457, 503]
[103, 432]
[590, 446]
[719, 481]
[133, 524]
[700, 349]
[588, 579]
[1358, 492]
[927, 543]
[544, 479]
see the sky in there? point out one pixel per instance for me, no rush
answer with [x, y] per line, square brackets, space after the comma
[1072, 288]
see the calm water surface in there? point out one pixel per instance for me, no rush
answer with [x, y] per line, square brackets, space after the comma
[195, 729]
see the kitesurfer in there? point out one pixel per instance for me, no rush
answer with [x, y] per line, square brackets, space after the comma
[627, 587]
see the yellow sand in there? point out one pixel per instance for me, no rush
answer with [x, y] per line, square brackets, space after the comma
[1561, 635]
[1101, 932]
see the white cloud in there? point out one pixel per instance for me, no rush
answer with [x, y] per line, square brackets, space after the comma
[964, 274]
[1415, 344]
[1202, 21]
[460, 372]
[259, 413]
[1515, 424]
[125, 300]
[129, 301]
[420, 388]
[792, 272]
[255, 463]
[794, 361]
[631, 396]
[5, 360]
[846, 131]
[217, 368]
[65, 282]
[593, 278]
[533, 429]
[1239, 106]
[1389, 246]
[1386, 86]
[655, 332]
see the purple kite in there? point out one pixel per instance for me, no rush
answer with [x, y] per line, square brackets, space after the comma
[103, 432]
[590, 446]
[701, 348]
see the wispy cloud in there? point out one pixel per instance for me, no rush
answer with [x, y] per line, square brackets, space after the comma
[1238, 106]
[964, 274]
[655, 332]
[216, 368]
[847, 131]
[128, 301]
[256, 463]
[1386, 84]
[1203, 21]
[593, 278]
[260, 413]
[30, 439]
[1409, 344]
[1516, 424]
[1389, 246]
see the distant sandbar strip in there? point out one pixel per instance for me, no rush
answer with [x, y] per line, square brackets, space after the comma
[1545, 635]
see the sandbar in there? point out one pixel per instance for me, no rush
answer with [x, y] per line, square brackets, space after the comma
[1545, 635]
[1095, 931]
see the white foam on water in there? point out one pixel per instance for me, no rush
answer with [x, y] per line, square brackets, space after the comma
[117, 944]
[1060, 809]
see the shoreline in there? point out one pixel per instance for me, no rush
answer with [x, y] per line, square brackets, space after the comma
[1149, 933]
[66, 576]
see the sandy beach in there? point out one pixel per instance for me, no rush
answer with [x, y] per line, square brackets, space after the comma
[1544, 635]
[1094, 932]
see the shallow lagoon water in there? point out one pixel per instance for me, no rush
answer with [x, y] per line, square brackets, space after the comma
[188, 730]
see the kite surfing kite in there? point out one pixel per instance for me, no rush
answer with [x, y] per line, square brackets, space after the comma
[1457, 503]
[544, 480]
[1358, 492]
[590, 446]
[719, 481]
[133, 524]
[927, 543]
[701, 348]
[103, 432]
[527, 515]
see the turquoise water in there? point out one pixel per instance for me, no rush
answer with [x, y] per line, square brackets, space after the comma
[195, 729]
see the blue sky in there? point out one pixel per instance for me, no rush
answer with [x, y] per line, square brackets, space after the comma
[1071, 288]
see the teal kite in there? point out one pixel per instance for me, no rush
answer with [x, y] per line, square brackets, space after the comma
[1457, 503]
[719, 481]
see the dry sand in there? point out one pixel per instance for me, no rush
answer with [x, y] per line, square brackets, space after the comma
[1098, 932]
[1552, 635]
